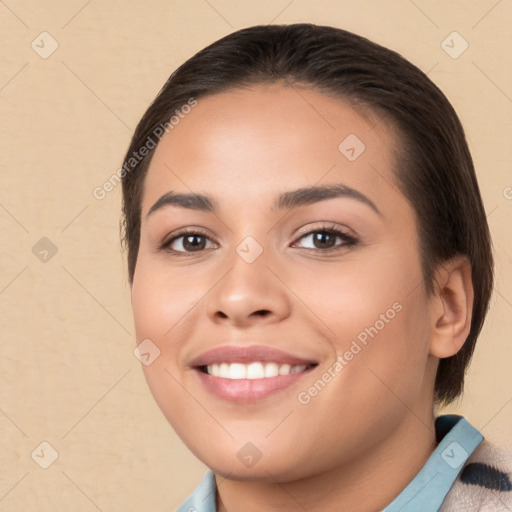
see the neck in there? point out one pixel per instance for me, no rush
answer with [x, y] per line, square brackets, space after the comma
[369, 483]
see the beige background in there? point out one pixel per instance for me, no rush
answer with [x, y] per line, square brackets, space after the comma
[68, 375]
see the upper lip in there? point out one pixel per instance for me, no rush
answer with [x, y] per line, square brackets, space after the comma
[254, 353]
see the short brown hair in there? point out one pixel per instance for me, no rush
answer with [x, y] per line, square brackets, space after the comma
[434, 166]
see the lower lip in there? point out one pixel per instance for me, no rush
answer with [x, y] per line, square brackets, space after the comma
[248, 390]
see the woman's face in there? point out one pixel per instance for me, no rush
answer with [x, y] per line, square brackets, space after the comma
[306, 305]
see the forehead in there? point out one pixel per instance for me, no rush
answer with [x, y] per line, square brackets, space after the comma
[259, 141]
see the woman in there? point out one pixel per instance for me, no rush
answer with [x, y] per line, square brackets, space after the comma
[310, 266]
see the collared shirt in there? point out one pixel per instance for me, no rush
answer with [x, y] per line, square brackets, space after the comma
[426, 492]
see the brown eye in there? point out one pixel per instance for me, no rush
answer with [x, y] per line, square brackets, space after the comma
[188, 242]
[325, 239]
[193, 242]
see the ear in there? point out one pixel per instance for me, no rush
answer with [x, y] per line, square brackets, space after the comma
[451, 307]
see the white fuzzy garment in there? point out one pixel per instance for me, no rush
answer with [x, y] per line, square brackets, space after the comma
[484, 484]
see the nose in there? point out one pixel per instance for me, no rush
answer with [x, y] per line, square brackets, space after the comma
[249, 294]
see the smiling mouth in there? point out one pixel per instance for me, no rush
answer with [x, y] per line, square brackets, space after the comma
[254, 370]
[250, 374]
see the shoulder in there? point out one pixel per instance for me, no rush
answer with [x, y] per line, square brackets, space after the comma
[484, 483]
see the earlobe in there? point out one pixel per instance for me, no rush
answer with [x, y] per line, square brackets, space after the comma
[452, 306]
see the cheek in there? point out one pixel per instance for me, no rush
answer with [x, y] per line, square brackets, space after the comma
[375, 316]
[352, 296]
[163, 307]
[162, 300]
[162, 304]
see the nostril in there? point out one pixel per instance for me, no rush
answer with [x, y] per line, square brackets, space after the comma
[262, 312]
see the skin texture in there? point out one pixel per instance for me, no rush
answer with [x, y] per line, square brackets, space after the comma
[366, 434]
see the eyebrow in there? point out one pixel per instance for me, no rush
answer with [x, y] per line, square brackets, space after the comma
[287, 200]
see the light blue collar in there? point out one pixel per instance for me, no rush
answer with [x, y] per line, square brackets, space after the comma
[426, 492]
[428, 489]
[203, 498]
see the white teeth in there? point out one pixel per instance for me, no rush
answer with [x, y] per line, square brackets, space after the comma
[224, 370]
[271, 370]
[256, 370]
[237, 371]
[284, 369]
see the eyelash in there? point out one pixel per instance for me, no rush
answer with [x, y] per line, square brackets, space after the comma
[348, 240]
